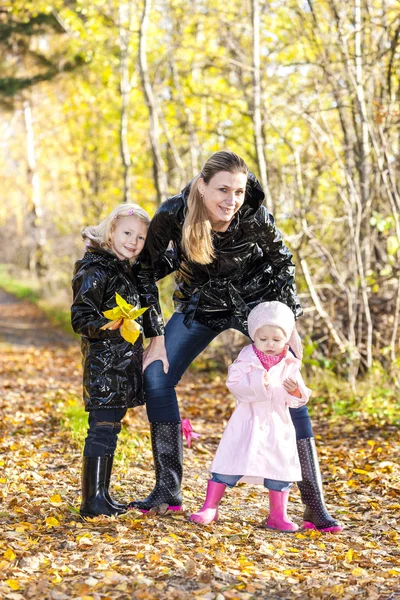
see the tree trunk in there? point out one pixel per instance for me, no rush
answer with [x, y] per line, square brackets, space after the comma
[259, 138]
[158, 162]
[125, 90]
[37, 262]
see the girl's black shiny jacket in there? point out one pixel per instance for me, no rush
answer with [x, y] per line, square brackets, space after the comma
[252, 265]
[112, 367]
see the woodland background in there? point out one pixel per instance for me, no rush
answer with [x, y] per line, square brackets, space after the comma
[107, 101]
[103, 101]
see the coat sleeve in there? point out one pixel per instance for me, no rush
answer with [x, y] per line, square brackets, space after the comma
[279, 258]
[247, 385]
[86, 315]
[157, 261]
[293, 401]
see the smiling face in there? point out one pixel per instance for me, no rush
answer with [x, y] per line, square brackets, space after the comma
[223, 195]
[128, 237]
[270, 340]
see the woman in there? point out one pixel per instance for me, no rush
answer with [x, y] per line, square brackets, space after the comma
[228, 257]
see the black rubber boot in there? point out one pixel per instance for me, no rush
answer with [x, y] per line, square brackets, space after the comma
[316, 515]
[166, 442]
[94, 501]
[109, 499]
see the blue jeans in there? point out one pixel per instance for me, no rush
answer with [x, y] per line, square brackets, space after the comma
[270, 484]
[183, 346]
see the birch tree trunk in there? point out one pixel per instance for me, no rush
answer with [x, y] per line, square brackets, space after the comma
[37, 262]
[259, 138]
[158, 162]
[124, 22]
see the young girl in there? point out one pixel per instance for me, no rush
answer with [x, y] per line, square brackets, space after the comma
[112, 367]
[259, 442]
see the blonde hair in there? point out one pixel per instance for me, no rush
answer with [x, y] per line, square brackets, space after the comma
[101, 235]
[197, 229]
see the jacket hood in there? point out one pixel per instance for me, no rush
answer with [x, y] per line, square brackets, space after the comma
[254, 194]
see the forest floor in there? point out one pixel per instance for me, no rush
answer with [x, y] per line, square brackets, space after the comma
[48, 552]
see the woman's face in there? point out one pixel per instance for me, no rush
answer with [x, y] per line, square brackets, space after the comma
[223, 195]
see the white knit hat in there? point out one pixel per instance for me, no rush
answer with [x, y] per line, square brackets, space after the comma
[279, 315]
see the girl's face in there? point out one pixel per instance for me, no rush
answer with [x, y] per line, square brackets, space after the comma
[128, 237]
[222, 197]
[270, 340]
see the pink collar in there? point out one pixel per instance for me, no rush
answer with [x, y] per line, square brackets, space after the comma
[269, 361]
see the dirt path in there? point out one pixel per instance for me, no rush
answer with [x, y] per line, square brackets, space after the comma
[23, 324]
[48, 552]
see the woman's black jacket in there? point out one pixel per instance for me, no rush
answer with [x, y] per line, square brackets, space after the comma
[251, 265]
[112, 367]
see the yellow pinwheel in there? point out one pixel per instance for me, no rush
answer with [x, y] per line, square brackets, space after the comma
[123, 316]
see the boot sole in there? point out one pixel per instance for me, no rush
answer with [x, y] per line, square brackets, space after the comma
[144, 511]
[333, 529]
[281, 530]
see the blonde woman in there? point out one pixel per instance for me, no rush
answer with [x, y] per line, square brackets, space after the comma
[229, 257]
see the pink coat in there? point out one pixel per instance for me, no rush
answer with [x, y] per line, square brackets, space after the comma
[260, 441]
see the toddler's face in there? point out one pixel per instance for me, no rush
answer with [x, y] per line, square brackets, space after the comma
[270, 340]
[129, 237]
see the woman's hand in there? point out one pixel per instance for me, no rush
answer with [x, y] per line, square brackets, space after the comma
[156, 351]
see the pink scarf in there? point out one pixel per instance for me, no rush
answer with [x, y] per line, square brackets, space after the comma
[269, 361]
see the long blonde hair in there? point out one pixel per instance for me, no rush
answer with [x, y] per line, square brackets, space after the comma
[197, 230]
[101, 235]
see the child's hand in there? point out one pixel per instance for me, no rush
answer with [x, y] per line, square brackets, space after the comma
[291, 387]
[266, 380]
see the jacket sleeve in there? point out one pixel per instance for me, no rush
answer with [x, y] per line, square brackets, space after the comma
[247, 385]
[157, 261]
[86, 316]
[280, 259]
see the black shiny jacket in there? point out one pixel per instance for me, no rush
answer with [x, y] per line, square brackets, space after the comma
[252, 265]
[112, 367]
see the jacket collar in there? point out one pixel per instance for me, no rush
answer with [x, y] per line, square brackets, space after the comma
[247, 354]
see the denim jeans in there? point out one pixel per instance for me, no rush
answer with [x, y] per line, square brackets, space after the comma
[183, 346]
[104, 427]
[270, 484]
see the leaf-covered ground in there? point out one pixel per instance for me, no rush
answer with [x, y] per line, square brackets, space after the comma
[48, 551]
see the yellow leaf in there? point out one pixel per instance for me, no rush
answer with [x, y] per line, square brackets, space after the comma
[52, 522]
[57, 578]
[394, 572]
[349, 555]
[56, 499]
[113, 325]
[123, 304]
[9, 554]
[134, 313]
[13, 584]
[113, 314]
[293, 550]
[130, 331]
[358, 572]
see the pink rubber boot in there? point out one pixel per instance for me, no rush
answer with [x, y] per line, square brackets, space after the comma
[278, 518]
[209, 511]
